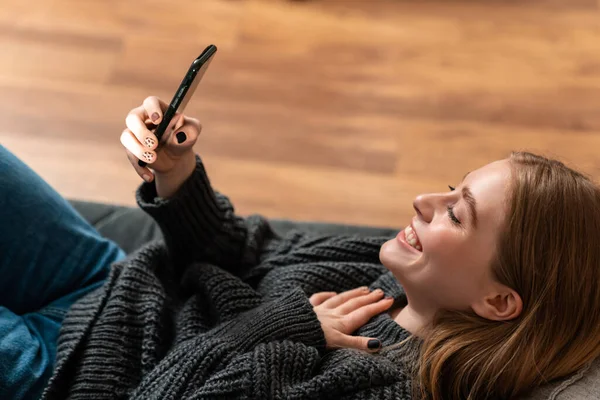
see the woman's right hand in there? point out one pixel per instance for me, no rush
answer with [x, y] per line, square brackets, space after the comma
[172, 161]
[343, 313]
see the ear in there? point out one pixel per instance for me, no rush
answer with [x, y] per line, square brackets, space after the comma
[501, 305]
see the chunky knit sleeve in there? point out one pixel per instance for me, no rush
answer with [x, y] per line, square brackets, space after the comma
[400, 390]
[221, 363]
[289, 370]
[289, 317]
[200, 224]
[276, 370]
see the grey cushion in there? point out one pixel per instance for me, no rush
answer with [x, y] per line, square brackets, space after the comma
[584, 384]
[131, 228]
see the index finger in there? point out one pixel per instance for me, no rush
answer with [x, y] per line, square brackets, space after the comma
[154, 108]
[135, 122]
[345, 296]
[360, 301]
[361, 316]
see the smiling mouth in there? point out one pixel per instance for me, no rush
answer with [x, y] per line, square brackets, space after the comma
[412, 239]
[401, 237]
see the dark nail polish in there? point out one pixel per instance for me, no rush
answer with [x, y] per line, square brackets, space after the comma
[141, 163]
[374, 344]
[154, 117]
[181, 137]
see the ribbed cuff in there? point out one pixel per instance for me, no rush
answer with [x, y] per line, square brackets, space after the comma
[195, 219]
[194, 199]
[289, 317]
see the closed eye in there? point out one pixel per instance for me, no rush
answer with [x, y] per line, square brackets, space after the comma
[452, 216]
[450, 210]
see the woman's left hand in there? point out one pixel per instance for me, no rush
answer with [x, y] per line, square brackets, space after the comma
[341, 314]
[171, 163]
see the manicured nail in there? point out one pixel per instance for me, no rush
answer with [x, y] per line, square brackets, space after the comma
[154, 117]
[148, 156]
[147, 177]
[373, 344]
[149, 141]
[181, 137]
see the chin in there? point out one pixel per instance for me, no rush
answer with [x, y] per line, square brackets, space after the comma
[397, 259]
[388, 254]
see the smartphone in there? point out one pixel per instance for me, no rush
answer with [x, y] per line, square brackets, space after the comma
[185, 91]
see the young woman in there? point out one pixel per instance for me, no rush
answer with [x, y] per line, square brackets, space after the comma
[490, 291]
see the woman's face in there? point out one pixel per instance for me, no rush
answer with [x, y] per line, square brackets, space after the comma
[452, 270]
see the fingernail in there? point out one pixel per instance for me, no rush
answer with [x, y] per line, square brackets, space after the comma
[154, 117]
[373, 344]
[147, 177]
[389, 298]
[378, 291]
[364, 288]
[149, 141]
[181, 137]
[148, 156]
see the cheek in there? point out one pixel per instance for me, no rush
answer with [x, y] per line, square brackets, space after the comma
[452, 275]
[443, 241]
[448, 254]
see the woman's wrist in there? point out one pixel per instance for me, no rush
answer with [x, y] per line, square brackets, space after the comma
[169, 182]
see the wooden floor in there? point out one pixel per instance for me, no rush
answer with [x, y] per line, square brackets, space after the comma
[337, 111]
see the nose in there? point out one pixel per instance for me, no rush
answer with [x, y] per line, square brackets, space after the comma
[426, 205]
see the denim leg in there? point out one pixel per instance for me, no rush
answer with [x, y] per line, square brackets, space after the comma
[47, 250]
[49, 257]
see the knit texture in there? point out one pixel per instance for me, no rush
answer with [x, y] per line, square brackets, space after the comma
[220, 310]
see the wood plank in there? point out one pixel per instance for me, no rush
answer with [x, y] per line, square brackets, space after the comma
[56, 54]
[322, 110]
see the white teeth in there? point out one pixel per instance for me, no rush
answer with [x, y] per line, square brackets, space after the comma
[411, 237]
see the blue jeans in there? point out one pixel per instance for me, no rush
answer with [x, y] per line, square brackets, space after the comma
[49, 257]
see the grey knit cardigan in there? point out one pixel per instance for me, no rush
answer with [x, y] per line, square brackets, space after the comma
[220, 310]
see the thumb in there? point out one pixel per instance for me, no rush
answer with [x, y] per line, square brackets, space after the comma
[184, 136]
[363, 343]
